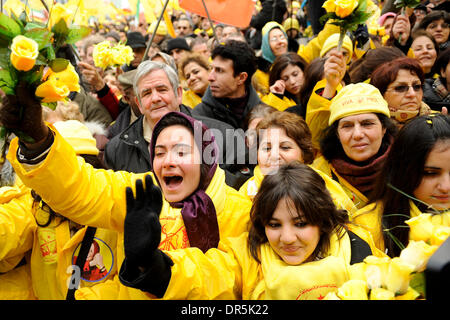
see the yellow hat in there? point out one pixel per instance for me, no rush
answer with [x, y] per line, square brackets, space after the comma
[78, 136]
[332, 42]
[356, 99]
[162, 28]
[291, 23]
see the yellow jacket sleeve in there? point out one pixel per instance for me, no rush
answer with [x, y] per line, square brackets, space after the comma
[91, 196]
[318, 112]
[312, 49]
[17, 226]
[279, 104]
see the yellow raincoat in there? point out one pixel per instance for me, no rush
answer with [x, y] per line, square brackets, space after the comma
[370, 216]
[318, 112]
[353, 194]
[340, 198]
[279, 104]
[191, 99]
[53, 249]
[230, 272]
[97, 198]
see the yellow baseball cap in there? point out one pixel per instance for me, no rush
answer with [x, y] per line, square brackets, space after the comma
[356, 99]
[78, 136]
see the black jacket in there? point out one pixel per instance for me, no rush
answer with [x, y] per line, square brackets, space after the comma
[431, 98]
[213, 108]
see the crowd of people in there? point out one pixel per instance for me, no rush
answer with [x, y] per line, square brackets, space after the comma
[228, 163]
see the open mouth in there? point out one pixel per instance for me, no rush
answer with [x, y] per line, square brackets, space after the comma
[172, 181]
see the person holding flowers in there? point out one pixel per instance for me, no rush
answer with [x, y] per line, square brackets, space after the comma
[413, 187]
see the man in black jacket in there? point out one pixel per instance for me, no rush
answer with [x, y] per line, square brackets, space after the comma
[158, 92]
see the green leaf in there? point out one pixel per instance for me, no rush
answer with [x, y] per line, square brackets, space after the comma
[58, 64]
[33, 25]
[9, 25]
[417, 282]
[33, 76]
[50, 53]
[61, 28]
[2, 132]
[7, 82]
[41, 35]
[4, 58]
[51, 105]
[23, 136]
[77, 33]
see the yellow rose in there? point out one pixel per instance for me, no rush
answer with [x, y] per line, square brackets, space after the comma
[24, 52]
[410, 294]
[69, 77]
[345, 7]
[329, 6]
[353, 290]
[398, 275]
[421, 227]
[417, 254]
[440, 234]
[381, 294]
[59, 12]
[357, 270]
[52, 90]
[376, 271]
[331, 296]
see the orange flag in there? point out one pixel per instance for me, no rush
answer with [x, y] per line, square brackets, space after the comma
[233, 12]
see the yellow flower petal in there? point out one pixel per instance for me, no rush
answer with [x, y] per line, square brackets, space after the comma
[381, 294]
[52, 91]
[24, 52]
[353, 290]
[398, 276]
[69, 77]
[410, 294]
[421, 227]
[417, 254]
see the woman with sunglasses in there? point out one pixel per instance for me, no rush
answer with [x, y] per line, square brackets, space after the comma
[400, 82]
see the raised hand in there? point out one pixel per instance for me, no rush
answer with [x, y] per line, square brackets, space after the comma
[142, 231]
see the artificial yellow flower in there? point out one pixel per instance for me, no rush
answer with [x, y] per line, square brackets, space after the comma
[357, 271]
[381, 294]
[440, 234]
[353, 290]
[122, 54]
[398, 276]
[59, 12]
[102, 54]
[52, 90]
[376, 271]
[24, 52]
[68, 76]
[345, 7]
[331, 296]
[417, 254]
[410, 294]
[329, 6]
[420, 227]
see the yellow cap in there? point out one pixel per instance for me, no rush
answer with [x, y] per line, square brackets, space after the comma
[356, 99]
[162, 28]
[291, 23]
[78, 136]
[332, 42]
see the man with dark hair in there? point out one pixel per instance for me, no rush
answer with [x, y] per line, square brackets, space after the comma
[178, 48]
[230, 95]
[136, 41]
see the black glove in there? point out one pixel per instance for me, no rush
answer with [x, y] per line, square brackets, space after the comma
[22, 114]
[361, 35]
[145, 266]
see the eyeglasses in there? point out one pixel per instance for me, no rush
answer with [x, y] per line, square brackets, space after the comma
[404, 88]
[279, 38]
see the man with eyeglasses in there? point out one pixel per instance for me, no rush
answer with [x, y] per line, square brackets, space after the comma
[184, 28]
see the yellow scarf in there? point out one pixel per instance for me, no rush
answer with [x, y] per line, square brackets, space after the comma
[308, 281]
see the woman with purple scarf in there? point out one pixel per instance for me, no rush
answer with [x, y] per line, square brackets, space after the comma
[198, 208]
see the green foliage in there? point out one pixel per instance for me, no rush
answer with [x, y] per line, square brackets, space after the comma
[406, 3]
[351, 22]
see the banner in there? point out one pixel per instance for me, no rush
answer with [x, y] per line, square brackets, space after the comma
[237, 13]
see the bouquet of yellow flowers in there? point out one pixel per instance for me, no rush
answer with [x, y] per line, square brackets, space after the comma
[28, 53]
[399, 278]
[106, 56]
[346, 14]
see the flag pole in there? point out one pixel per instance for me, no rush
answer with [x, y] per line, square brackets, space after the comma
[210, 22]
[154, 31]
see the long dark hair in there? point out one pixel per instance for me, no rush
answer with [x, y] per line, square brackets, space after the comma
[404, 171]
[307, 191]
